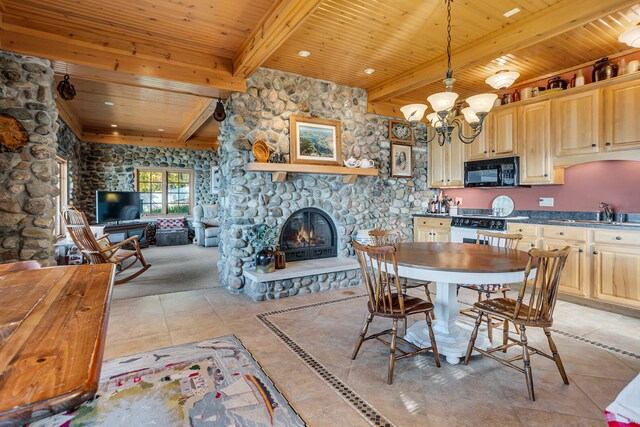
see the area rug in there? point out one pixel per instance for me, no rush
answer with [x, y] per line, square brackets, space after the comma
[216, 382]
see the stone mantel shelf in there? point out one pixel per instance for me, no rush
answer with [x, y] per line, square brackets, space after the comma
[279, 170]
[303, 269]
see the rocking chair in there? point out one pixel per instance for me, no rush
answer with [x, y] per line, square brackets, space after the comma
[101, 250]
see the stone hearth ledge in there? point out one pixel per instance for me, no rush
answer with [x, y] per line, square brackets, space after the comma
[302, 277]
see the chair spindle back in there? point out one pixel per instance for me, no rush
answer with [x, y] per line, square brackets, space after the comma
[385, 237]
[378, 277]
[80, 231]
[543, 288]
[508, 241]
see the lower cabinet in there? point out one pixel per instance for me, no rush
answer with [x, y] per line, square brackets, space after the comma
[575, 276]
[616, 274]
[433, 230]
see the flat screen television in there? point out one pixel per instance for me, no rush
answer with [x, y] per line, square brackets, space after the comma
[113, 206]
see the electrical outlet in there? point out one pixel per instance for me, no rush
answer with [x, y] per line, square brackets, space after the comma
[546, 201]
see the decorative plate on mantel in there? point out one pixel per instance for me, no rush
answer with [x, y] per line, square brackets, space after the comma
[400, 132]
[12, 134]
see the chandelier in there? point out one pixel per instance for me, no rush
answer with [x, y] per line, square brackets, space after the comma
[443, 120]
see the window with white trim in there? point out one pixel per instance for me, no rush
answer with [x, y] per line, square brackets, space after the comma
[62, 198]
[165, 191]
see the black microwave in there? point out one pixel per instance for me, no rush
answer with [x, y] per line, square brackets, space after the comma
[503, 172]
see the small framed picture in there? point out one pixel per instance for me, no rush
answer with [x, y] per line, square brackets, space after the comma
[215, 179]
[401, 161]
[400, 132]
[315, 141]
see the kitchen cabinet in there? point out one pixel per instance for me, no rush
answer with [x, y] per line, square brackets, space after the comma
[446, 163]
[617, 274]
[575, 276]
[498, 138]
[621, 110]
[529, 234]
[576, 123]
[437, 230]
[534, 138]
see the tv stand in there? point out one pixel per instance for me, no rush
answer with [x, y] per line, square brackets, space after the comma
[121, 231]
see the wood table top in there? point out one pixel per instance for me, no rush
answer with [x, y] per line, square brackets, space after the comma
[460, 257]
[52, 332]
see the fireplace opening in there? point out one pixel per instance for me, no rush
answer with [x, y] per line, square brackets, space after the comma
[308, 234]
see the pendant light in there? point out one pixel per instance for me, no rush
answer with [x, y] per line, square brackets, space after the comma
[502, 79]
[443, 102]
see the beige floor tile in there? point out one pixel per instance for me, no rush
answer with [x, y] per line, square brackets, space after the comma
[602, 391]
[117, 348]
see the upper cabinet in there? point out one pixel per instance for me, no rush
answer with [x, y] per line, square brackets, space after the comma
[576, 123]
[498, 138]
[621, 110]
[534, 137]
[446, 163]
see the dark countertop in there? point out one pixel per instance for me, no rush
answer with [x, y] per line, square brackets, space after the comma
[549, 218]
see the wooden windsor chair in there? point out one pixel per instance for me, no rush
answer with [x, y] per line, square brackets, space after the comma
[508, 241]
[540, 294]
[386, 299]
[101, 250]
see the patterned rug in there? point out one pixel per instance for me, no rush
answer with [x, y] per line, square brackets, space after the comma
[215, 382]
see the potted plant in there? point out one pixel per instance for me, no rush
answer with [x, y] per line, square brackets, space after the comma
[263, 238]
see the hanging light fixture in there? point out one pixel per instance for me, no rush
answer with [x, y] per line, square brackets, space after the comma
[502, 79]
[631, 36]
[442, 120]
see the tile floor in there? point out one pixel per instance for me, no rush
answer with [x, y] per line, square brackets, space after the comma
[483, 393]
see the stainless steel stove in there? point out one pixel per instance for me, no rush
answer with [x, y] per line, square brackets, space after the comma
[464, 228]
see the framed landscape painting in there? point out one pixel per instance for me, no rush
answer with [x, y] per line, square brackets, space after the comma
[315, 141]
[401, 161]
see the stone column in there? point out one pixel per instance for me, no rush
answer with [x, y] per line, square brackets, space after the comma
[28, 176]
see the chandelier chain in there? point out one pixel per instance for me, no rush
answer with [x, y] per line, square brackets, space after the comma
[449, 70]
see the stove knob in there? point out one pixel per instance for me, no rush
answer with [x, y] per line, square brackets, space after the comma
[492, 225]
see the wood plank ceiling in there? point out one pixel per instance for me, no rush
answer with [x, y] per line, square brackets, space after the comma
[164, 61]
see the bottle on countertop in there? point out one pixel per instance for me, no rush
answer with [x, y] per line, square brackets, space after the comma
[622, 67]
[579, 79]
[516, 96]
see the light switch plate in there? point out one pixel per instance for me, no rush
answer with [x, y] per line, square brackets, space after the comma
[546, 201]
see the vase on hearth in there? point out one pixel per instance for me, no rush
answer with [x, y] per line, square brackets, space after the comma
[265, 261]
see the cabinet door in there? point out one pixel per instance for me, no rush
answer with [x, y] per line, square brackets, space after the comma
[621, 110]
[503, 134]
[534, 127]
[454, 160]
[421, 234]
[617, 274]
[527, 243]
[441, 235]
[478, 149]
[575, 276]
[576, 123]
[436, 173]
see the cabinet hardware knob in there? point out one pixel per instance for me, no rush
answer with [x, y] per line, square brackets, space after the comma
[532, 245]
[595, 252]
[594, 145]
[562, 233]
[520, 230]
[493, 151]
[440, 223]
[546, 175]
[485, 151]
[608, 144]
[580, 250]
[618, 238]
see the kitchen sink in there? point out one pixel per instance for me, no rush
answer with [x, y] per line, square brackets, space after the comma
[592, 221]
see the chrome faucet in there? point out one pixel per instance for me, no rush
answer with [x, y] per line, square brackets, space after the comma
[608, 212]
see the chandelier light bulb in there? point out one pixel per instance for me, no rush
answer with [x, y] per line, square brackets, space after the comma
[434, 120]
[631, 37]
[502, 79]
[470, 116]
[442, 101]
[482, 103]
[413, 113]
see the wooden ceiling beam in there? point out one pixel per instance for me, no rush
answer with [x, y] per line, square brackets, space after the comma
[32, 42]
[204, 109]
[281, 21]
[69, 116]
[149, 141]
[545, 24]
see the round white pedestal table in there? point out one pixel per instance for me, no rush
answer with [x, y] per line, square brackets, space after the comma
[449, 264]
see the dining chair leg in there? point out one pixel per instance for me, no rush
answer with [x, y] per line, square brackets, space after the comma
[432, 337]
[392, 351]
[428, 293]
[505, 335]
[472, 340]
[368, 318]
[489, 328]
[527, 363]
[556, 356]
[404, 326]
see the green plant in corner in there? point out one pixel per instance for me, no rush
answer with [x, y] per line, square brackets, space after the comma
[262, 236]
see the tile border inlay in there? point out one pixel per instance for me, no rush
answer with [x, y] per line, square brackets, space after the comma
[361, 406]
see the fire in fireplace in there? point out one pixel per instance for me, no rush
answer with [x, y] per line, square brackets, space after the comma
[308, 234]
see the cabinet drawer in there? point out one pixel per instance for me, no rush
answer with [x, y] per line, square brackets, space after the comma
[524, 229]
[565, 233]
[618, 237]
[433, 222]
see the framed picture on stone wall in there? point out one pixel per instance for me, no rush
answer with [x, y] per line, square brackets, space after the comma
[215, 179]
[400, 132]
[401, 161]
[315, 141]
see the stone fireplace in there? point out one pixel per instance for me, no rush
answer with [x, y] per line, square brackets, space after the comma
[309, 233]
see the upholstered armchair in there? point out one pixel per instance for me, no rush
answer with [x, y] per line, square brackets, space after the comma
[207, 225]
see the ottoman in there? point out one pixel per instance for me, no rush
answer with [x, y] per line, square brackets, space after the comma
[172, 237]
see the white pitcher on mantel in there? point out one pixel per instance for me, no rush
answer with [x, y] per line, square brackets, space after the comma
[351, 162]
